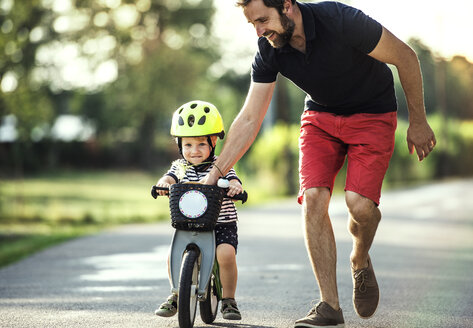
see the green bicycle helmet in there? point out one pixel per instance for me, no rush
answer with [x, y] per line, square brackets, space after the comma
[195, 119]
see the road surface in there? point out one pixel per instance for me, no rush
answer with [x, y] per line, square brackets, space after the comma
[422, 255]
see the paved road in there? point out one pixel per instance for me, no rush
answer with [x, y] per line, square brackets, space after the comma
[423, 257]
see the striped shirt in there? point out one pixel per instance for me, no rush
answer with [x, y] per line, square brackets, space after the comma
[228, 212]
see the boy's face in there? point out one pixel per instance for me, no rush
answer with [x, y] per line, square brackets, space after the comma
[195, 149]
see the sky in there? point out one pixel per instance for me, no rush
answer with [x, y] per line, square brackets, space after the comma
[446, 27]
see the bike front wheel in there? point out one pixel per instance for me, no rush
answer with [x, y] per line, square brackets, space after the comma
[188, 287]
[208, 308]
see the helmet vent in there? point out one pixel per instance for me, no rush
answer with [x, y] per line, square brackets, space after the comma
[191, 120]
[180, 121]
[202, 120]
[180, 110]
[206, 109]
[193, 106]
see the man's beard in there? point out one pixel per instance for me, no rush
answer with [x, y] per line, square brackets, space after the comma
[283, 38]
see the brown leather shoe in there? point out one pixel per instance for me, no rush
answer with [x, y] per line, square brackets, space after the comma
[322, 315]
[365, 291]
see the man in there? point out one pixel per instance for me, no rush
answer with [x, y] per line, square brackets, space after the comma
[338, 56]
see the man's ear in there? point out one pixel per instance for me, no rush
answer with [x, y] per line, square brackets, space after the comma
[287, 7]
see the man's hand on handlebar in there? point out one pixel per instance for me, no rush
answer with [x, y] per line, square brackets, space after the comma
[211, 178]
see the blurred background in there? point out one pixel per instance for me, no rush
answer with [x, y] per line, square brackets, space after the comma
[88, 87]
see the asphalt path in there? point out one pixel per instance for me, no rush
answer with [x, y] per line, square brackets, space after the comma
[422, 256]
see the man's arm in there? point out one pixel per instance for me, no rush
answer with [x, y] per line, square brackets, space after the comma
[393, 51]
[243, 130]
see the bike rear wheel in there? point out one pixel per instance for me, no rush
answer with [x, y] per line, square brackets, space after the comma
[188, 287]
[209, 307]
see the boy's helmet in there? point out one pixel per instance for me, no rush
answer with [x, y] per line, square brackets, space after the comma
[197, 118]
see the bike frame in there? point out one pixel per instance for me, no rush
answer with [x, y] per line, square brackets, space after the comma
[183, 240]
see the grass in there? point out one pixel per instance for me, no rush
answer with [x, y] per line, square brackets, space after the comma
[37, 212]
[19, 241]
[41, 211]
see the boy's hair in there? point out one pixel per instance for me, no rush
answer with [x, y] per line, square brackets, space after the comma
[278, 4]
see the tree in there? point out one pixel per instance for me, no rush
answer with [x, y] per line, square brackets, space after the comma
[123, 64]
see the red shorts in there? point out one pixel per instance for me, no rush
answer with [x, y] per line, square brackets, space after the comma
[366, 140]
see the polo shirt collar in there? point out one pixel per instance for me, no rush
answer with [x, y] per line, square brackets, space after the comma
[309, 26]
[308, 21]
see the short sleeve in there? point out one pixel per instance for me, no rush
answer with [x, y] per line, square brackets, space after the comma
[231, 175]
[175, 170]
[263, 69]
[359, 30]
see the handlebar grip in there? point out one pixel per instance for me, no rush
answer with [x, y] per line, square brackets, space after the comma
[243, 196]
[154, 192]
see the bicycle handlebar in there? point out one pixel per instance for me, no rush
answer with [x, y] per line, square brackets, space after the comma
[243, 196]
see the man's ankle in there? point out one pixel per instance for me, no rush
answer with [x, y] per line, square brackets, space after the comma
[357, 264]
[333, 303]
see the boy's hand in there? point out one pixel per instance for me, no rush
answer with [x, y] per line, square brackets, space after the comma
[163, 185]
[234, 188]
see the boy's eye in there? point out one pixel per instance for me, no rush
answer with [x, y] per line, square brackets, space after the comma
[202, 144]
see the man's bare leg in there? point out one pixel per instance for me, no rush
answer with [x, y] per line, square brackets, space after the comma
[362, 224]
[320, 243]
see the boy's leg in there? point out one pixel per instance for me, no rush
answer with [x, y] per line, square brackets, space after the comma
[228, 269]
[227, 241]
[169, 307]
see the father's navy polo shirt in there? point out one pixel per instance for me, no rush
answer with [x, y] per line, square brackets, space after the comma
[336, 72]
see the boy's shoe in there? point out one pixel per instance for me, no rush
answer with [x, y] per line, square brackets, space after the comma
[168, 308]
[365, 291]
[322, 315]
[230, 309]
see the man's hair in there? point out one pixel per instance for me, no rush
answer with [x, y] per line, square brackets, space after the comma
[278, 4]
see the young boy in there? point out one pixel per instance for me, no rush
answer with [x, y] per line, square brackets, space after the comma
[196, 126]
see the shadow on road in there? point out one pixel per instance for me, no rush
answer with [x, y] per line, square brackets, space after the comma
[233, 325]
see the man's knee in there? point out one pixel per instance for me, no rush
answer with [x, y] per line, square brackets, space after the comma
[315, 206]
[362, 210]
[316, 196]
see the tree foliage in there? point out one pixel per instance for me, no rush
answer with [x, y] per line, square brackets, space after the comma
[125, 65]
[122, 65]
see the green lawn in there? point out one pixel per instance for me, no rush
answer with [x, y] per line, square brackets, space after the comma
[41, 211]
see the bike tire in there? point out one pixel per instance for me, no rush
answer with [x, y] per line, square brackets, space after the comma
[209, 307]
[188, 287]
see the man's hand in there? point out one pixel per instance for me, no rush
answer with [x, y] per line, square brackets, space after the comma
[211, 178]
[421, 138]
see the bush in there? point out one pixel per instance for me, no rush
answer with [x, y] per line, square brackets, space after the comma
[272, 162]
